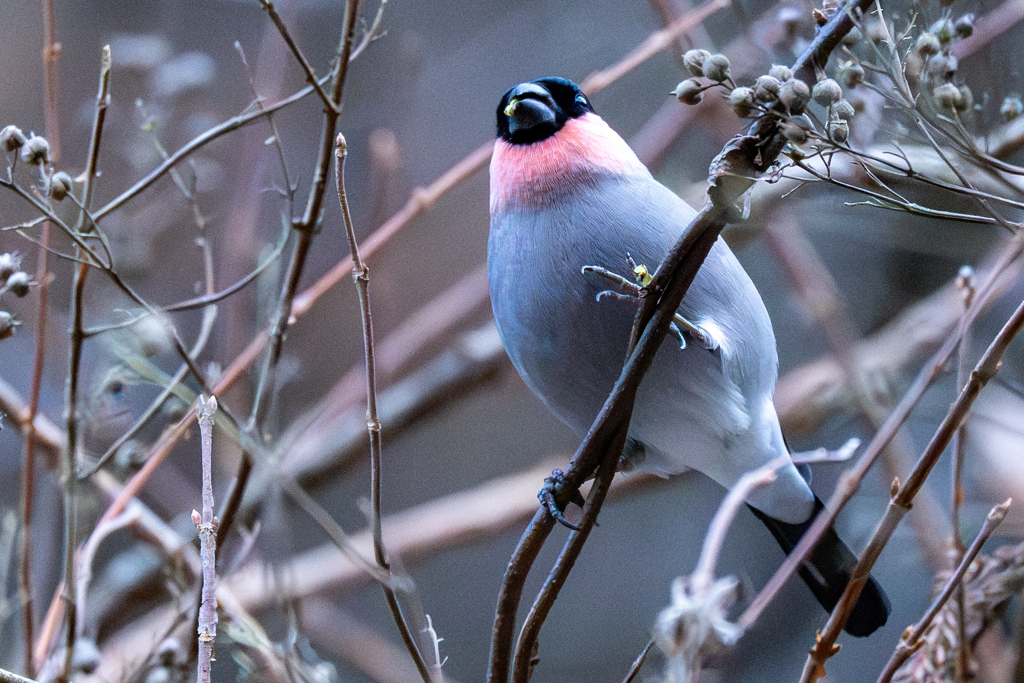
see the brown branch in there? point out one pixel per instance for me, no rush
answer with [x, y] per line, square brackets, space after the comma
[910, 641]
[903, 496]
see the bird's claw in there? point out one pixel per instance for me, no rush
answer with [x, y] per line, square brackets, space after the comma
[557, 494]
[702, 337]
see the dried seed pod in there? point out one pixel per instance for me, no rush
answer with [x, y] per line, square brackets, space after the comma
[690, 91]
[18, 283]
[851, 73]
[60, 186]
[36, 150]
[742, 101]
[1011, 108]
[838, 130]
[7, 324]
[11, 138]
[716, 67]
[948, 96]
[766, 89]
[827, 91]
[693, 60]
[843, 110]
[794, 95]
[781, 72]
[927, 44]
[964, 26]
[9, 262]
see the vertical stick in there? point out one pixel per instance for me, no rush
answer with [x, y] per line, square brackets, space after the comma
[207, 526]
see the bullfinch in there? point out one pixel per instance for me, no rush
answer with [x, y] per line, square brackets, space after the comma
[566, 191]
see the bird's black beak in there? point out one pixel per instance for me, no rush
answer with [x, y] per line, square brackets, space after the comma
[530, 106]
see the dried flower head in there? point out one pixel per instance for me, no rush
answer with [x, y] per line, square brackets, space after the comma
[948, 96]
[690, 91]
[9, 262]
[18, 283]
[826, 92]
[742, 101]
[942, 67]
[11, 138]
[1011, 108]
[943, 30]
[766, 89]
[694, 626]
[7, 324]
[851, 73]
[60, 186]
[927, 44]
[839, 130]
[716, 67]
[693, 60]
[843, 110]
[964, 26]
[781, 72]
[36, 150]
[794, 95]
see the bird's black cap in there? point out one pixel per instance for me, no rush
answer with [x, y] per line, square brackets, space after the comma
[538, 109]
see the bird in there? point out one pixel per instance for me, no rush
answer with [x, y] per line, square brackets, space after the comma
[568, 195]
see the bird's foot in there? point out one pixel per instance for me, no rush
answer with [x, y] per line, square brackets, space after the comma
[701, 336]
[556, 496]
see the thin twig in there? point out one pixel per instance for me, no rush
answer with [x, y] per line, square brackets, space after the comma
[306, 226]
[207, 526]
[286, 35]
[903, 496]
[361, 277]
[910, 641]
[70, 474]
[639, 662]
[850, 481]
[51, 52]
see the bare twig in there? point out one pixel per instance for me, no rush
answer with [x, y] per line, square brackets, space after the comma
[207, 526]
[851, 479]
[911, 639]
[70, 474]
[903, 496]
[306, 226]
[51, 53]
[361, 277]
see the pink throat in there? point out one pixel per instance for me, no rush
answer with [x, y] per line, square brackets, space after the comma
[584, 147]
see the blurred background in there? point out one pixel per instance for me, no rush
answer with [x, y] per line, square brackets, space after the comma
[457, 419]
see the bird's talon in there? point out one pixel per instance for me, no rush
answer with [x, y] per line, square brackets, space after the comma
[678, 334]
[557, 494]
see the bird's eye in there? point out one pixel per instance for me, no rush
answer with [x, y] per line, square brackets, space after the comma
[580, 99]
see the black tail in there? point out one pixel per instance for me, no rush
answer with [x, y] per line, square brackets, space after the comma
[831, 565]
